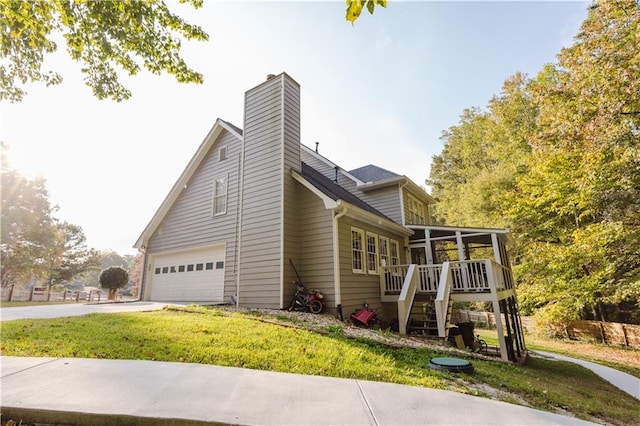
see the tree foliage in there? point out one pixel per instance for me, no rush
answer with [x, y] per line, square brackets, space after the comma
[354, 8]
[102, 35]
[558, 161]
[34, 244]
[113, 278]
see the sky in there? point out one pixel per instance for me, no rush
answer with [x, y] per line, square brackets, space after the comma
[379, 92]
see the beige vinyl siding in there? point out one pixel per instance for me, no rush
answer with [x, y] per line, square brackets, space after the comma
[318, 164]
[291, 157]
[329, 172]
[315, 263]
[268, 227]
[407, 215]
[359, 288]
[386, 200]
[189, 222]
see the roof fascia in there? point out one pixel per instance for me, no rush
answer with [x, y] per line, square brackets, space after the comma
[332, 165]
[418, 190]
[369, 186]
[351, 210]
[181, 183]
[373, 219]
[329, 202]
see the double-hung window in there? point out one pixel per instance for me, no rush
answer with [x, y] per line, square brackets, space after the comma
[372, 253]
[384, 251]
[219, 195]
[415, 211]
[395, 253]
[357, 250]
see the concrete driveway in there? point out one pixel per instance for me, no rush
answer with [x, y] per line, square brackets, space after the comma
[75, 309]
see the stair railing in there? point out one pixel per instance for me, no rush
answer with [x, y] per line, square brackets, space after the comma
[443, 299]
[407, 295]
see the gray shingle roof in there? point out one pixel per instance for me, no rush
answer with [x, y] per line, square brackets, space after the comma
[335, 191]
[372, 173]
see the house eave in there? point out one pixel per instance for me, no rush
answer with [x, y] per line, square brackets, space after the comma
[329, 203]
[372, 219]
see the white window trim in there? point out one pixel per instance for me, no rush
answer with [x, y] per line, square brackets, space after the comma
[222, 153]
[362, 250]
[385, 258]
[376, 253]
[394, 260]
[415, 208]
[215, 195]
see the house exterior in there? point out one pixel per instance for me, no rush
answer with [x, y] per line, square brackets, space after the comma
[252, 201]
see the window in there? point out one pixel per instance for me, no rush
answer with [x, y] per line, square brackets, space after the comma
[357, 250]
[395, 253]
[220, 265]
[181, 268]
[219, 196]
[173, 269]
[209, 266]
[199, 266]
[222, 153]
[384, 251]
[372, 253]
[157, 271]
[189, 268]
[415, 211]
[165, 270]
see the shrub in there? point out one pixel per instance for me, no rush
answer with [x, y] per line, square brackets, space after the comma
[113, 278]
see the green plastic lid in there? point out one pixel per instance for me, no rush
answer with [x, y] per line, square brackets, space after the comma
[451, 364]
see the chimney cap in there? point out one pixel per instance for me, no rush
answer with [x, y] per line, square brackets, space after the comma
[270, 76]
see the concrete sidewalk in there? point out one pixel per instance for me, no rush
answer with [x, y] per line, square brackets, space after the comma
[619, 379]
[107, 392]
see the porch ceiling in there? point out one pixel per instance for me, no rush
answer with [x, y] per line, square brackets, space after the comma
[469, 235]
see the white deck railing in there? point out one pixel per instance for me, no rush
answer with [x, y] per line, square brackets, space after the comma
[468, 276]
[443, 298]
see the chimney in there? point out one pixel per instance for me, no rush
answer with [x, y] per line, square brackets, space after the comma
[267, 220]
[317, 143]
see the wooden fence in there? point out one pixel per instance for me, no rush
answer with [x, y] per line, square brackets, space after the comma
[611, 333]
[40, 294]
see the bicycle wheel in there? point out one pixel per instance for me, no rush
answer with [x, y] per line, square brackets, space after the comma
[315, 306]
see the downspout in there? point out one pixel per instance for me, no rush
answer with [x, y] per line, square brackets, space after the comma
[336, 263]
[145, 257]
[240, 208]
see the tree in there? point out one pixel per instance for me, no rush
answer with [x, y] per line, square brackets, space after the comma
[34, 244]
[66, 253]
[25, 212]
[101, 35]
[354, 7]
[113, 278]
[557, 160]
[482, 156]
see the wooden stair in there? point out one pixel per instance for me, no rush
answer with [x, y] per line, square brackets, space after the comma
[423, 320]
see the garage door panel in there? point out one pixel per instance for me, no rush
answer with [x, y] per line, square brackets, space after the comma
[193, 276]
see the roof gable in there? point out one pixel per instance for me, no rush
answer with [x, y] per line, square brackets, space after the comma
[209, 140]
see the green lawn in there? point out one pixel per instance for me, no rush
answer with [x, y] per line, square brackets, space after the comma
[241, 340]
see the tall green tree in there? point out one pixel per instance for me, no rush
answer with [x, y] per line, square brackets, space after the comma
[103, 36]
[557, 159]
[580, 201]
[34, 244]
[481, 157]
[25, 211]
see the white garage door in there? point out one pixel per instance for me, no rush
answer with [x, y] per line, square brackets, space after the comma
[188, 276]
